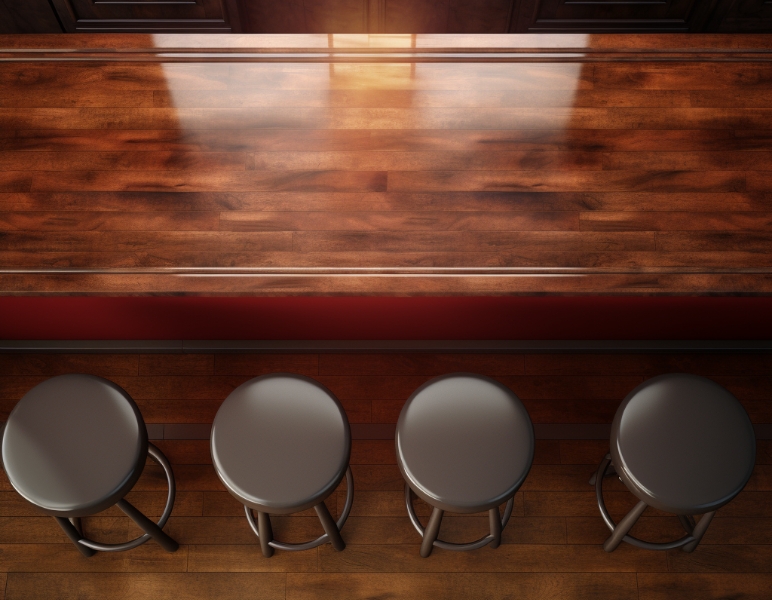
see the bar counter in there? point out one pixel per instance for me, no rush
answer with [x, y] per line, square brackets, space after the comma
[385, 165]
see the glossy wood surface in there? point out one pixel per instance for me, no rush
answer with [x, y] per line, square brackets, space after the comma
[386, 165]
[551, 548]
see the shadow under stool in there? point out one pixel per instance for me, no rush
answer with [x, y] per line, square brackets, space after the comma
[74, 446]
[281, 444]
[682, 444]
[464, 444]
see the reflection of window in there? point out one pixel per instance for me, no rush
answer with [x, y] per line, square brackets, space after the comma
[371, 74]
[365, 40]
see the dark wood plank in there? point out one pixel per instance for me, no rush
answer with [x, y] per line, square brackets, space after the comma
[511, 558]
[176, 364]
[159, 181]
[418, 364]
[460, 585]
[64, 558]
[168, 586]
[656, 586]
[122, 161]
[245, 558]
[722, 559]
[311, 241]
[559, 181]
[399, 221]
[44, 530]
[262, 364]
[109, 221]
[49, 365]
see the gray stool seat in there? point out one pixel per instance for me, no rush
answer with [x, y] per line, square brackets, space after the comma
[682, 444]
[75, 445]
[464, 444]
[281, 444]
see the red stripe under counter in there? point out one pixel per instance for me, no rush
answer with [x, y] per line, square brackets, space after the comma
[379, 318]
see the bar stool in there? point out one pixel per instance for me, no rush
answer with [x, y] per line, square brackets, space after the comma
[464, 444]
[74, 446]
[280, 445]
[682, 444]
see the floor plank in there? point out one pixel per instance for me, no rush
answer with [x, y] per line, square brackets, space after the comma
[451, 586]
[169, 586]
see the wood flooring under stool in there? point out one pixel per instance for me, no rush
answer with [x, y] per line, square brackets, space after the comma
[551, 548]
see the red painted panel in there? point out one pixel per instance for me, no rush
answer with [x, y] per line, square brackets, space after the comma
[378, 318]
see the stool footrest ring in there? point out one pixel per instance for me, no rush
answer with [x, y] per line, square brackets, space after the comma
[483, 541]
[688, 540]
[159, 458]
[322, 539]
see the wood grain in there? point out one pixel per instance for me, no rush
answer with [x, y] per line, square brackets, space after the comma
[651, 175]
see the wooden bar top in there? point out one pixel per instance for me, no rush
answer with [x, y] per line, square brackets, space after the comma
[386, 165]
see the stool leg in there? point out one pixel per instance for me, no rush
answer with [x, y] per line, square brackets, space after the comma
[77, 524]
[495, 518]
[75, 536]
[688, 523]
[148, 527]
[431, 532]
[610, 472]
[624, 527]
[266, 533]
[330, 527]
[699, 530]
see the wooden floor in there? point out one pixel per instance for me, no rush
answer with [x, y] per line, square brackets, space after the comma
[610, 165]
[551, 548]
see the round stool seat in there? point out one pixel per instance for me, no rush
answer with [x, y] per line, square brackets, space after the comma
[683, 444]
[281, 443]
[464, 443]
[74, 445]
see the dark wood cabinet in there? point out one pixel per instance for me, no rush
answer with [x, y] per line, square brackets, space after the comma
[28, 16]
[377, 16]
[746, 16]
[556, 16]
[386, 16]
[304, 16]
[126, 16]
[504, 16]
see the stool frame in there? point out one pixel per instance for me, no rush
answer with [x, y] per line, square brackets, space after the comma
[73, 529]
[620, 531]
[262, 528]
[430, 534]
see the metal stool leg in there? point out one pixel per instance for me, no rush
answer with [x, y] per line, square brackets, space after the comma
[610, 472]
[75, 536]
[431, 532]
[495, 520]
[699, 530]
[148, 526]
[623, 527]
[77, 523]
[266, 533]
[330, 528]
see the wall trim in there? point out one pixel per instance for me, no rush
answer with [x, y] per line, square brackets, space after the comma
[373, 346]
[385, 431]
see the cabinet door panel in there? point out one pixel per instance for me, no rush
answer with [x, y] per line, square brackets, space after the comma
[411, 16]
[748, 16]
[143, 15]
[29, 16]
[264, 16]
[613, 15]
[479, 16]
[336, 16]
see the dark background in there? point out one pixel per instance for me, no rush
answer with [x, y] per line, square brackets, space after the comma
[386, 16]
